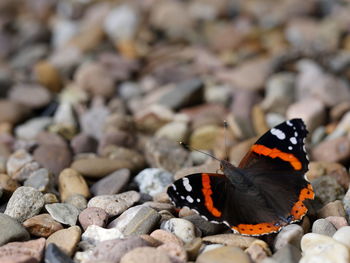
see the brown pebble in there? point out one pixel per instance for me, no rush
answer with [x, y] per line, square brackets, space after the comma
[70, 182]
[48, 76]
[166, 237]
[337, 221]
[42, 225]
[334, 208]
[145, 255]
[8, 184]
[93, 216]
[66, 239]
[230, 240]
[332, 150]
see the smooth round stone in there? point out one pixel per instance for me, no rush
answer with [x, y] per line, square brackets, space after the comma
[50, 198]
[225, 254]
[205, 226]
[115, 204]
[258, 251]
[99, 167]
[175, 251]
[286, 254]
[30, 129]
[112, 183]
[332, 150]
[11, 111]
[152, 181]
[78, 201]
[166, 237]
[42, 225]
[136, 220]
[181, 228]
[25, 203]
[48, 75]
[83, 143]
[335, 208]
[93, 216]
[343, 235]
[175, 131]
[323, 227]
[70, 182]
[337, 221]
[204, 137]
[235, 240]
[146, 255]
[55, 255]
[320, 248]
[40, 179]
[327, 189]
[193, 248]
[66, 239]
[291, 234]
[11, 230]
[95, 234]
[29, 251]
[158, 206]
[53, 157]
[64, 213]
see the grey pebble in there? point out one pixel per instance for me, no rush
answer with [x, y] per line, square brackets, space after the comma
[40, 179]
[323, 227]
[11, 230]
[64, 213]
[112, 183]
[25, 203]
[78, 200]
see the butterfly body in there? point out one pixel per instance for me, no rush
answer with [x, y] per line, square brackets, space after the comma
[264, 193]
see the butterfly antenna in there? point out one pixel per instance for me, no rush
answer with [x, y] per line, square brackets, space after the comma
[225, 138]
[194, 149]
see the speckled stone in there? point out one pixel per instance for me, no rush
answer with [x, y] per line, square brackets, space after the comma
[78, 201]
[42, 225]
[93, 216]
[25, 203]
[115, 204]
[181, 228]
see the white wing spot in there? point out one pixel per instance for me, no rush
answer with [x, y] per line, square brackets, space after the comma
[290, 148]
[174, 187]
[295, 134]
[183, 198]
[289, 123]
[293, 140]
[304, 148]
[198, 200]
[278, 133]
[186, 184]
[189, 199]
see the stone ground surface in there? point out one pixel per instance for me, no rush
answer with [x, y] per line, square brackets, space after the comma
[96, 95]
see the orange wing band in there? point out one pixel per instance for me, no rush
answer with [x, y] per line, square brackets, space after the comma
[275, 153]
[207, 192]
[299, 209]
[257, 229]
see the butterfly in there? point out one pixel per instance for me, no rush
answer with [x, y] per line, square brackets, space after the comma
[266, 192]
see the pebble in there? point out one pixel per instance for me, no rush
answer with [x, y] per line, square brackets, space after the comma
[152, 181]
[113, 250]
[7, 184]
[346, 202]
[24, 203]
[175, 131]
[115, 204]
[279, 92]
[93, 78]
[118, 153]
[93, 216]
[342, 236]
[42, 225]
[11, 230]
[224, 255]
[184, 94]
[30, 129]
[52, 157]
[159, 206]
[66, 239]
[70, 182]
[41, 180]
[258, 251]
[66, 214]
[96, 234]
[323, 227]
[291, 234]
[165, 154]
[205, 226]
[332, 150]
[48, 75]
[11, 112]
[204, 137]
[97, 167]
[83, 143]
[166, 237]
[174, 251]
[31, 96]
[29, 251]
[181, 228]
[193, 248]
[136, 220]
[286, 254]
[334, 208]
[16, 161]
[77, 200]
[320, 248]
[327, 189]
[234, 240]
[312, 111]
[337, 221]
[146, 255]
[112, 183]
[53, 254]
[50, 198]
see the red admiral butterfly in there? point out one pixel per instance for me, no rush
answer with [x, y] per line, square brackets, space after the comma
[264, 193]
